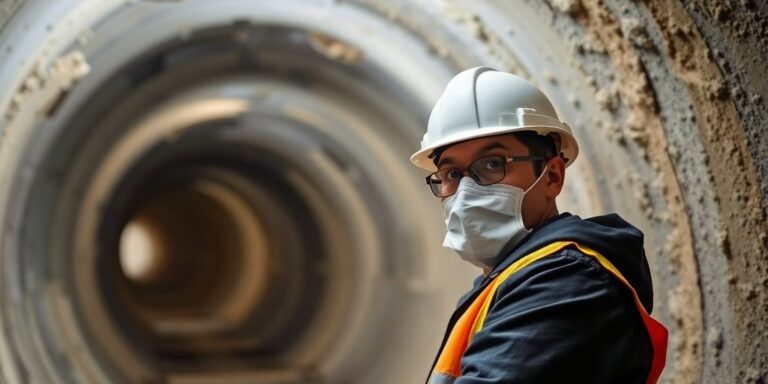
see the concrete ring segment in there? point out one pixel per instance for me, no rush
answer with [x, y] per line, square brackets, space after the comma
[273, 137]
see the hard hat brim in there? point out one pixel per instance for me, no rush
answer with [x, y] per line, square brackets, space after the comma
[568, 146]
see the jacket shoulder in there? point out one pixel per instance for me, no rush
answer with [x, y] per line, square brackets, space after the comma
[565, 273]
[561, 318]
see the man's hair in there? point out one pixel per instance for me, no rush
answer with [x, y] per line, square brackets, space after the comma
[538, 145]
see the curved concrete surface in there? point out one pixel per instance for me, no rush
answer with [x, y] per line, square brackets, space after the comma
[195, 191]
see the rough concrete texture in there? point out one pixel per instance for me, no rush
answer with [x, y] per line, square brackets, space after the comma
[63, 73]
[684, 104]
[730, 144]
[682, 83]
[644, 127]
[716, 51]
[683, 89]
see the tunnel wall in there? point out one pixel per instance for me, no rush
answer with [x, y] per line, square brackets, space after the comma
[662, 51]
[667, 100]
[688, 72]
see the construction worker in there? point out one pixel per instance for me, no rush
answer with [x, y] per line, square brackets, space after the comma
[561, 298]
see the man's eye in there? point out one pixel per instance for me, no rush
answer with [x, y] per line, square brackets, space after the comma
[452, 174]
[493, 164]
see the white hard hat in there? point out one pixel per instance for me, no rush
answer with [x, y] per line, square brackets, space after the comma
[481, 102]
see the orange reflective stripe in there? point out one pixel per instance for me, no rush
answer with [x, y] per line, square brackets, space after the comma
[473, 319]
[449, 362]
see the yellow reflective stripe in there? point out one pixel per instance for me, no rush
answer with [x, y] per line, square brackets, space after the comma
[615, 271]
[514, 267]
[531, 258]
[449, 361]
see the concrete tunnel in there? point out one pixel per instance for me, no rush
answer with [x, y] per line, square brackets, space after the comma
[203, 191]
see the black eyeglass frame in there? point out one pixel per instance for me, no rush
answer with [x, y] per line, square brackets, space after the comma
[507, 160]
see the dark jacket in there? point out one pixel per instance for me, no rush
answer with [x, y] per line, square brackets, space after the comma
[565, 318]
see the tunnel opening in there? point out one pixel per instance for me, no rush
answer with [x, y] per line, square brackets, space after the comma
[240, 196]
[140, 257]
[237, 273]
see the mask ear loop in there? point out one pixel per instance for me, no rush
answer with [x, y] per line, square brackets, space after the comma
[546, 167]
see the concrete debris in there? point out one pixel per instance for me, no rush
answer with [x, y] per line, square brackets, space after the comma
[68, 69]
[567, 6]
[608, 98]
[635, 32]
[335, 49]
[63, 73]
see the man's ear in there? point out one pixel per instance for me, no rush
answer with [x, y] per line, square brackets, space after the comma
[555, 177]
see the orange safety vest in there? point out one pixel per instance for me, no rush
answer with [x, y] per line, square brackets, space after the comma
[448, 366]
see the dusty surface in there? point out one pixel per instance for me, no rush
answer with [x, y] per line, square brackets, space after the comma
[736, 180]
[685, 87]
[642, 125]
[50, 85]
[682, 95]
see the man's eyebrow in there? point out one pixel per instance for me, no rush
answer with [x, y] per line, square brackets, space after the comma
[445, 161]
[495, 145]
[490, 146]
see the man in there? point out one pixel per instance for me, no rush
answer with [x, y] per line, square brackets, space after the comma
[561, 299]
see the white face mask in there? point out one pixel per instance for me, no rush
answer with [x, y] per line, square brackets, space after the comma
[481, 220]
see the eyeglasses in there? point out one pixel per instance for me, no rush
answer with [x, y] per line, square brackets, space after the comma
[485, 171]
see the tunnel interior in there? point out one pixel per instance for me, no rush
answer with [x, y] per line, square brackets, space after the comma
[220, 192]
